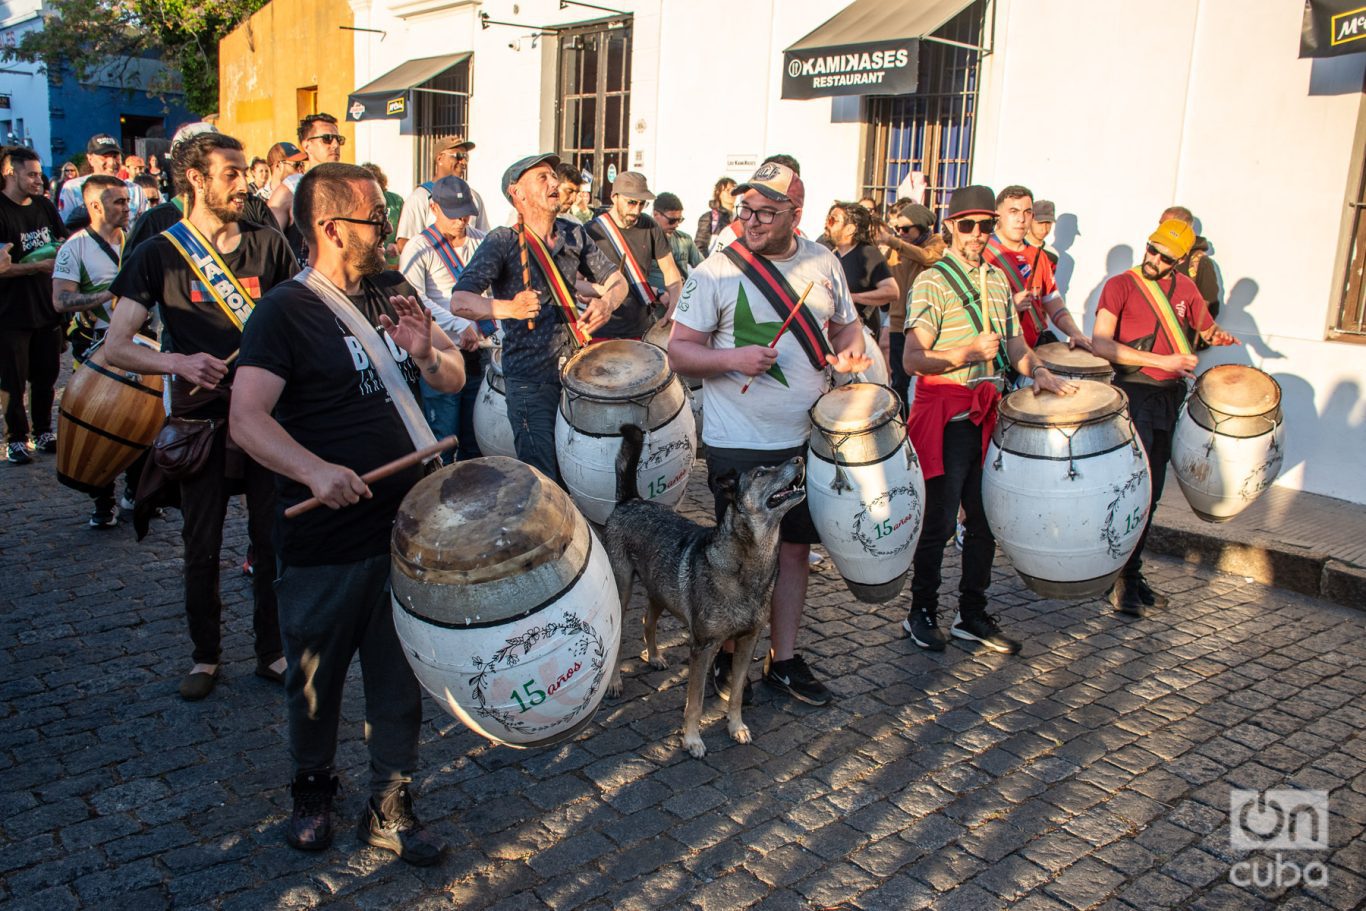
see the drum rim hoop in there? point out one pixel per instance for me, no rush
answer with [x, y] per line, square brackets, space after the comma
[893, 415]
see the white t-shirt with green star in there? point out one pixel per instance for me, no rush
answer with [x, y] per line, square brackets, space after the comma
[719, 300]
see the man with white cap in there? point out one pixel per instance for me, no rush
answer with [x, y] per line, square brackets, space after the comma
[636, 245]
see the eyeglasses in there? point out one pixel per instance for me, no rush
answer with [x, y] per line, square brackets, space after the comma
[668, 220]
[328, 138]
[1153, 251]
[379, 224]
[762, 216]
[967, 225]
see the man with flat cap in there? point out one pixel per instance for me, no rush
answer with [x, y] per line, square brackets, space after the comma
[637, 245]
[553, 289]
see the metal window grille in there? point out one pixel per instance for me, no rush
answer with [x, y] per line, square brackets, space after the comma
[442, 112]
[1351, 321]
[594, 110]
[930, 131]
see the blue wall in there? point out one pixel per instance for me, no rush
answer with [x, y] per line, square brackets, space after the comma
[78, 112]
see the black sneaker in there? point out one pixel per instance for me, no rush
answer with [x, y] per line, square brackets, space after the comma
[922, 627]
[395, 827]
[983, 628]
[795, 678]
[1127, 599]
[104, 516]
[310, 827]
[720, 680]
[18, 454]
[45, 442]
[1145, 591]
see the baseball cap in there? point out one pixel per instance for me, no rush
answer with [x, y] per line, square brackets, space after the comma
[103, 144]
[190, 131]
[776, 181]
[1044, 210]
[632, 185]
[972, 200]
[1174, 234]
[455, 142]
[918, 215]
[452, 195]
[522, 165]
[284, 151]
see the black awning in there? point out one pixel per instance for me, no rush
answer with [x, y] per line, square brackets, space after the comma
[1333, 27]
[389, 96]
[871, 47]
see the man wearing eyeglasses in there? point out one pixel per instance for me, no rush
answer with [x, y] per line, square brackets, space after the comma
[961, 335]
[322, 142]
[452, 159]
[636, 245]
[668, 214]
[1146, 324]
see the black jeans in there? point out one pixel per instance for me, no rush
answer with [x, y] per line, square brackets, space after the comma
[961, 482]
[32, 358]
[531, 411]
[1154, 410]
[901, 380]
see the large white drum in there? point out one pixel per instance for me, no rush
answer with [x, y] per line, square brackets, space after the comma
[606, 385]
[1228, 445]
[659, 337]
[864, 488]
[504, 601]
[492, 429]
[877, 373]
[1066, 488]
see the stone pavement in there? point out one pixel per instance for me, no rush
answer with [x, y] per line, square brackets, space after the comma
[1093, 770]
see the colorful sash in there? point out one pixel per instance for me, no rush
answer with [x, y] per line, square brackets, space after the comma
[640, 284]
[559, 288]
[232, 298]
[1000, 257]
[958, 280]
[780, 295]
[443, 248]
[1162, 309]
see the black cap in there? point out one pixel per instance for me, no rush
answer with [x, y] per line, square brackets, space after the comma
[918, 215]
[522, 165]
[973, 200]
[103, 144]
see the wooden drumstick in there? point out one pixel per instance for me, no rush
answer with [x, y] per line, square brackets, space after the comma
[526, 266]
[783, 328]
[227, 362]
[381, 472]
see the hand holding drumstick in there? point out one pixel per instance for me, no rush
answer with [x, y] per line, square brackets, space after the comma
[227, 362]
[767, 357]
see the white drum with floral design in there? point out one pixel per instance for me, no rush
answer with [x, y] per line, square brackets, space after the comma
[492, 429]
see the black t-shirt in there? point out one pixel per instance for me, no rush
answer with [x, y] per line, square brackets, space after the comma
[647, 243]
[159, 218]
[336, 407]
[26, 301]
[156, 275]
[864, 267]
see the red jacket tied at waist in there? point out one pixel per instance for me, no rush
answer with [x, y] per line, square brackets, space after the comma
[938, 400]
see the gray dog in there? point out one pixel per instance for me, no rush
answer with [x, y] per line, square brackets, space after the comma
[717, 581]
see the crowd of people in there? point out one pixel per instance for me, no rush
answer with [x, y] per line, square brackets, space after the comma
[314, 325]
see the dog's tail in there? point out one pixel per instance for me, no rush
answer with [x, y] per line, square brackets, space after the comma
[628, 462]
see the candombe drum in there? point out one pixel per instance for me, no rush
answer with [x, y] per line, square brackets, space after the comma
[659, 337]
[1228, 445]
[106, 420]
[492, 429]
[877, 373]
[1074, 363]
[609, 384]
[1066, 488]
[504, 601]
[864, 488]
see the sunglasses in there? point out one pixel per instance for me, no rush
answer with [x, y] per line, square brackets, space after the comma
[967, 225]
[905, 229]
[328, 138]
[1153, 251]
[668, 220]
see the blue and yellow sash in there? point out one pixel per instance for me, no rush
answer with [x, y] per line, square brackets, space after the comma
[208, 266]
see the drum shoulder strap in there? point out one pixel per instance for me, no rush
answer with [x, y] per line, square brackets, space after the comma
[773, 285]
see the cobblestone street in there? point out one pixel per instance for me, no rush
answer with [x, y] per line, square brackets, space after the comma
[1092, 770]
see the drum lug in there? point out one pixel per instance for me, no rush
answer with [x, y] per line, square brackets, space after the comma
[912, 459]
[840, 483]
[996, 463]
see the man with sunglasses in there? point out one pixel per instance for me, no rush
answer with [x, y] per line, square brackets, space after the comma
[452, 159]
[961, 335]
[1029, 272]
[1146, 324]
[668, 214]
[636, 245]
[322, 142]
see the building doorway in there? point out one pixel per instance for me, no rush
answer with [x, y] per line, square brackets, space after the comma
[594, 110]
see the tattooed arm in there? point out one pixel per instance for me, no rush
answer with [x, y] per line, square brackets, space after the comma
[68, 298]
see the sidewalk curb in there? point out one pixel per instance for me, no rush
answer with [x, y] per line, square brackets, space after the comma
[1276, 563]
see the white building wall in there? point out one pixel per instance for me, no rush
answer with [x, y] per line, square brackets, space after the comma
[25, 83]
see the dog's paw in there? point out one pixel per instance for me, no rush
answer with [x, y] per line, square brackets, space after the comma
[615, 687]
[694, 745]
[740, 733]
[658, 661]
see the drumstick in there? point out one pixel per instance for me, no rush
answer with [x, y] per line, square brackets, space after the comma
[227, 362]
[526, 266]
[783, 328]
[381, 473]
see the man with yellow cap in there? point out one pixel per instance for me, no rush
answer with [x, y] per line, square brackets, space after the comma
[1146, 324]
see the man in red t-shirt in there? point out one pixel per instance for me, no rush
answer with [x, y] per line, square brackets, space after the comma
[1146, 322]
[1029, 271]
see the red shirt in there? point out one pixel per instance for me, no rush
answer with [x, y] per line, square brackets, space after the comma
[1136, 321]
[1037, 271]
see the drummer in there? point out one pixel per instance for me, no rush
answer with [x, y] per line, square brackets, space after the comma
[1146, 324]
[543, 324]
[637, 245]
[954, 343]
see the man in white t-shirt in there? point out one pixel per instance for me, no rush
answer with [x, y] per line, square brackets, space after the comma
[431, 262]
[723, 326]
[452, 160]
[106, 157]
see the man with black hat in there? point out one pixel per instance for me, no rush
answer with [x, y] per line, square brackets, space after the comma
[106, 157]
[1146, 324]
[912, 247]
[959, 319]
[1045, 216]
[572, 291]
[452, 159]
[636, 245]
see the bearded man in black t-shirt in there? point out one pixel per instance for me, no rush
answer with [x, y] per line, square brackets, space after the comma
[202, 314]
[635, 244]
[312, 403]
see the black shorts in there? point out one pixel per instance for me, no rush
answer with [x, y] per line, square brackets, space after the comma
[797, 527]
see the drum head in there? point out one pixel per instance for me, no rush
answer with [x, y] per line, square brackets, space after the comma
[1056, 356]
[855, 407]
[1091, 402]
[615, 370]
[1239, 391]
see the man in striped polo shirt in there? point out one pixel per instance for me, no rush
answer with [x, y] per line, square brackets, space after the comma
[961, 336]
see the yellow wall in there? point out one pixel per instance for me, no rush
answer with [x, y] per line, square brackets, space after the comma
[286, 46]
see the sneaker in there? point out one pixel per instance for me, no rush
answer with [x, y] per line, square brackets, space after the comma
[18, 453]
[310, 826]
[983, 628]
[128, 502]
[922, 627]
[1145, 591]
[104, 516]
[46, 442]
[395, 827]
[1127, 599]
[795, 678]
[720, 680]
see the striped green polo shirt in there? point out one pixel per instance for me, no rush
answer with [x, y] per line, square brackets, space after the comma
[936, 306]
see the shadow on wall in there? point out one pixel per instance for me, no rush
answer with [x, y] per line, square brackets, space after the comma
[1119, 259]
[1065, 233]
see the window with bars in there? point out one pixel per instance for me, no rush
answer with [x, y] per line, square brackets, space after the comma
[1351, 321]
[594, 110]
[930, 131]
[441, 112]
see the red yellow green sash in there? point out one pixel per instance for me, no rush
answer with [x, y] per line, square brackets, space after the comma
[1162, 308]
[559, 288]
